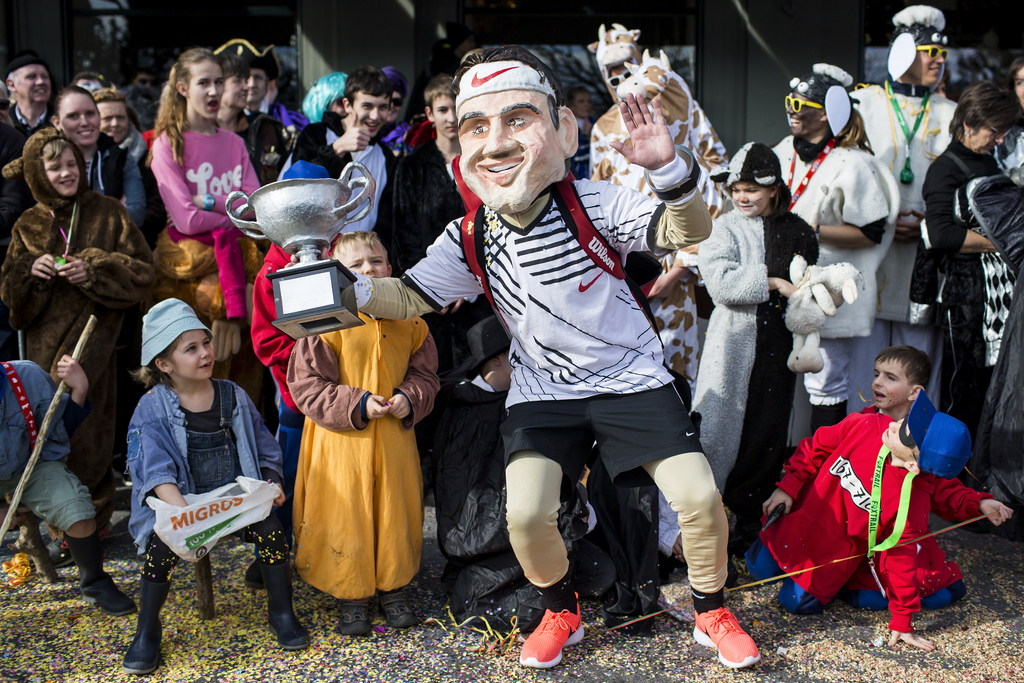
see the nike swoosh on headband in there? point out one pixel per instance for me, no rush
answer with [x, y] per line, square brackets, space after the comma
[477, 81]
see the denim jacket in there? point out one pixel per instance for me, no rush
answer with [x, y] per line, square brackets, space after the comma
[14, 439]
[158, 451]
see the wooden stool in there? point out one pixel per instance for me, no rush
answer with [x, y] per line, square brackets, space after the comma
[204, 589]
[31, 543]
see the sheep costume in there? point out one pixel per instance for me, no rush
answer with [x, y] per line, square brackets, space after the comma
[747, 343]
[898, 320]
[850, 187]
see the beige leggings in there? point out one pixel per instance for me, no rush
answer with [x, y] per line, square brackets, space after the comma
[534, 482]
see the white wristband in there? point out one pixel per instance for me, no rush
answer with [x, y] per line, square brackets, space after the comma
[363, 288]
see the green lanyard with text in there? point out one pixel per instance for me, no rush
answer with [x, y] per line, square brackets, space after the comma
[876, 504]
[907, 175]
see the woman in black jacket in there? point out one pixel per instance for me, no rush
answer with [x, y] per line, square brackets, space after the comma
[977, 286]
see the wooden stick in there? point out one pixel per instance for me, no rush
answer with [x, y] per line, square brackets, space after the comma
[31, 543]
[43, 432]
[204, 589]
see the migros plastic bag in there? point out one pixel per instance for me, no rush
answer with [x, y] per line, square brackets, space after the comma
[193, 530]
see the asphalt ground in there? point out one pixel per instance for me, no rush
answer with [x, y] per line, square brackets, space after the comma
[47, 633]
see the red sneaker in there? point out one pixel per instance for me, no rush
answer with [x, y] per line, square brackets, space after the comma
[543, 649]
[720, 630]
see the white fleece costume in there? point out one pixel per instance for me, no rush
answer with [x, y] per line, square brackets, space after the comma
[850, 187]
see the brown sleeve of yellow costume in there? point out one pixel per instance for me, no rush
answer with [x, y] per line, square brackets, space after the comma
[421, 383]
[25, 294]
[119, 278]
[313, 382]
[681, 225]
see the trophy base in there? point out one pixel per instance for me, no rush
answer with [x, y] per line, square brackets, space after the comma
[314, 298]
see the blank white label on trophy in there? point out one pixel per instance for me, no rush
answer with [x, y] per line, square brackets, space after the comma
[305, 293]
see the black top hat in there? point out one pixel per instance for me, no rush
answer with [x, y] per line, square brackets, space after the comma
[486, 340]
[260, 59]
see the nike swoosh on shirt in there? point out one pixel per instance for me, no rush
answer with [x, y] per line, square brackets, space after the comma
[585, 287]
[477, 81]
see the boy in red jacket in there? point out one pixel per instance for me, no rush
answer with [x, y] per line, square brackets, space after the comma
[273, 347]
[831, 494]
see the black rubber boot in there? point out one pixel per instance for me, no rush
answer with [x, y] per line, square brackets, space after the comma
[144, 653]
[826, 416]
[254, 576]
[291, 635]
[96, 585]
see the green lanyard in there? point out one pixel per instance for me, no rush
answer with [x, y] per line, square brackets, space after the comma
[907, 175]
[876, 504]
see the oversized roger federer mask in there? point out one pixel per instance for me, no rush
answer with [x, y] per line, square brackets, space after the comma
[511, 149]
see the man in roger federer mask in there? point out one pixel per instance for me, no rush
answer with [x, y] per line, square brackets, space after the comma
[587, 365]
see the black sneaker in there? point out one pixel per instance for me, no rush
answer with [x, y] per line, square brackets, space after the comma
[396, 608]
[60, 556]
[355, 618]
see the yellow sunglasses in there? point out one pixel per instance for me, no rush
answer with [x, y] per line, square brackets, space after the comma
[934, 51]
[796, 104]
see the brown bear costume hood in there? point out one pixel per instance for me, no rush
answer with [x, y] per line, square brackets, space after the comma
[30, 169]
[53, 311]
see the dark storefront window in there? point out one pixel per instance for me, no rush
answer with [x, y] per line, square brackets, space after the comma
[558, 31]
[984, 37]
[118, 37]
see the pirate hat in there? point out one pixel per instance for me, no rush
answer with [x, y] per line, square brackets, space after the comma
[260, 59]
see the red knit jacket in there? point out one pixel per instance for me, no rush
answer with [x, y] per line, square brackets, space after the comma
[829, 478]
[272, 346]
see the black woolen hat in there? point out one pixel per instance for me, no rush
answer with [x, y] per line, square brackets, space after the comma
[755, 162]
[261, 59]
[486, 340]
[814, 86]
[26, 58]
[926, 24]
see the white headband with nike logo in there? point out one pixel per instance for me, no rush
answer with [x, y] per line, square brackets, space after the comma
[490, 77]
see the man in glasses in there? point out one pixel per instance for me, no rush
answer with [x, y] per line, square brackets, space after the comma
[5, 103]
[28, 79]
[907, 125]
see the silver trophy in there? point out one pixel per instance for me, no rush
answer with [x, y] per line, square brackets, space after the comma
[303, 216]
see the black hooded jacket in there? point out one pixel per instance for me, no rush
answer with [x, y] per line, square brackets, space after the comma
[311, 145]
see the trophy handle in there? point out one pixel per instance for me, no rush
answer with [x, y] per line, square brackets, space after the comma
[369, 187]
[250, 228]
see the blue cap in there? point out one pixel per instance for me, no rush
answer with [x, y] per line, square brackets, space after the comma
[943, 441]
[164, 323]
[305, 169]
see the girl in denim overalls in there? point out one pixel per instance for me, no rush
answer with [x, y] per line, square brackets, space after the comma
[193, 434]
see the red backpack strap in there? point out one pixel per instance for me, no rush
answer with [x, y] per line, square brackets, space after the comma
[592, 242]
[26, 407]
[472, 231]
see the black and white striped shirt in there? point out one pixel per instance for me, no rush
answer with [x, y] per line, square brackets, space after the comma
[577, 331]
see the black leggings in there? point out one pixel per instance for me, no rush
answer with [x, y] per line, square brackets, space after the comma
[268, 536]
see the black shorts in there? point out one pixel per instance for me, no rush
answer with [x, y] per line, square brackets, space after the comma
[631, 430]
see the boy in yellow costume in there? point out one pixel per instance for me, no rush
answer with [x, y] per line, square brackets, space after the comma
[358, 509]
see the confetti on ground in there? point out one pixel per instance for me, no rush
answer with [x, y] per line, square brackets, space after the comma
[48, 634]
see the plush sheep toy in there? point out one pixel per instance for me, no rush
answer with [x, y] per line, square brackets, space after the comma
[819, 291]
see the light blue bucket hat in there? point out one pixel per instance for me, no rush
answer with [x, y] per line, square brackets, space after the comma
[164, 323]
